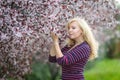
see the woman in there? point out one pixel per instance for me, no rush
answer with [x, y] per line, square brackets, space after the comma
[81, 46]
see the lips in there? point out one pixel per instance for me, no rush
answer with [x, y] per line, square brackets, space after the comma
[70, 34]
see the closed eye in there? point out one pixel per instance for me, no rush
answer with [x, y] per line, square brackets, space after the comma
[73, 27]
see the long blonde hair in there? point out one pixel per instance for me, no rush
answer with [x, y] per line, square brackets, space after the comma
[87, 35]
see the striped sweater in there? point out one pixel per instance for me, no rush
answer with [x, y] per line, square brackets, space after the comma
[73, 61]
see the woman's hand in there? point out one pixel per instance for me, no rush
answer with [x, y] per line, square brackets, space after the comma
[54, 37]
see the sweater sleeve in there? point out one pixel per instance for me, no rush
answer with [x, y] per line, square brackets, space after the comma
[74, 55]
[53, 58]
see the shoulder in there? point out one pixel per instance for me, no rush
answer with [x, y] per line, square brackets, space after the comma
[84, 45]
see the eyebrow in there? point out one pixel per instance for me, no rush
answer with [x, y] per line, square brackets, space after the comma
[71, 26]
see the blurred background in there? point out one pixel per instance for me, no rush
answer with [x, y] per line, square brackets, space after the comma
[105, 67]
[24, 37]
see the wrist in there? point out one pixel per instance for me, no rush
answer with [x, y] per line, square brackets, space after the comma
[52, 54]
[56, 43]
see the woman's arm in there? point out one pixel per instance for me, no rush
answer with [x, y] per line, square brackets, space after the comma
[52, 51]
[56, 45]
[74, 55]
[52, 56]
[58, 53]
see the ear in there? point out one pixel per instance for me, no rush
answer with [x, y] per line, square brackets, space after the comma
[82, 33]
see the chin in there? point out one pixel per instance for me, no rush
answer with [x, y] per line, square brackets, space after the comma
[72, 38]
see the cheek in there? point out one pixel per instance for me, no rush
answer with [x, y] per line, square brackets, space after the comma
[78, 33]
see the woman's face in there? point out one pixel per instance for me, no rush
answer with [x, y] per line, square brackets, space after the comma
[74, 30]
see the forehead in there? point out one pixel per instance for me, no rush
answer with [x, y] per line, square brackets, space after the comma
[73, 23]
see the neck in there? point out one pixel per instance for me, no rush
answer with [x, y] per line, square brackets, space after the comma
[79, 40]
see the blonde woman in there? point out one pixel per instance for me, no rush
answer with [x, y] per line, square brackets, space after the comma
[81, 46]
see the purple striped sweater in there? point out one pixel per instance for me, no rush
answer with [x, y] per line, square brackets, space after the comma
[73, 61]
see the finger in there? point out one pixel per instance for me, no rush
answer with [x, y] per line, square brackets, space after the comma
[50, 32]
[53, 34]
